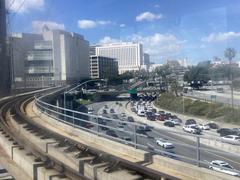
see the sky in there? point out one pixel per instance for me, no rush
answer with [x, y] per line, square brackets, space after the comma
[168, 29]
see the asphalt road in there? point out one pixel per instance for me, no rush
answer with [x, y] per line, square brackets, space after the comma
[149, 140]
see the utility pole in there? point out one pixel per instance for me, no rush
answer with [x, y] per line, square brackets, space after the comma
[4, 58]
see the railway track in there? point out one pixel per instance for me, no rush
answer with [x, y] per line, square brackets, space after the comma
[15, 107]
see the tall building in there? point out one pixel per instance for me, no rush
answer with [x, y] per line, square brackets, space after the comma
[4, 59]
[54, 57]
[103, 67]
[146, 61]
[92, 50]
[128, 54]
[20, 45]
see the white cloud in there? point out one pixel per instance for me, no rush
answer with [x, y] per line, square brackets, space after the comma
[88, 24]
[160, 45]
[122, 25]
[221, 36]
[22, 6]
[37, 26]
[148, 16]
[107, 40]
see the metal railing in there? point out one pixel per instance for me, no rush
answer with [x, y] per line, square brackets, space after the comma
[130, 133]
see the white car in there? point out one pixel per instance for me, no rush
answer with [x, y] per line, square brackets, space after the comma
[141, 113]
[163, 142]
[232, 139]
[191, 129]
[203, 127]
[90, 111]
[220, 166]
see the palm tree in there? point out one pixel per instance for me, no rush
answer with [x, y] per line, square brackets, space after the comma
[230, 53]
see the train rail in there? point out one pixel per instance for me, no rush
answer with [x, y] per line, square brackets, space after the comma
[16, 108]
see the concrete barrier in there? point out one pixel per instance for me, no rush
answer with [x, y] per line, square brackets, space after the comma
[21, 164]
[186, 171]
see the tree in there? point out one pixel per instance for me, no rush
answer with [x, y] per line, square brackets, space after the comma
[164, 72]
[230, 53]
[174, 86]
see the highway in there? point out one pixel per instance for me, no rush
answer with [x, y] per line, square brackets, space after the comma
[224, 98]
[149, 140]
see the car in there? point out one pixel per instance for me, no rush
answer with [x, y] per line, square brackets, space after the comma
[133, 109]
[175, 121]
[190, 121]
[226, 131]
[123, 115]
[224, 167]
[127, 138]
[151, 117]
[130, 119]
[212, 125]
[106, 106]
[203, 127]
[90, 111]
[115, 116]
[104, 111]
[88, 125]
[191, 129]
[164, 143]
[168, 123]
[161, 117]
[231, 139]
[141, 113]
[120, 126]
[111, 133]
[116, 102]
[144, 127]
[112, 111]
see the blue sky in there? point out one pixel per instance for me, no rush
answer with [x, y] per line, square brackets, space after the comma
[168, 29]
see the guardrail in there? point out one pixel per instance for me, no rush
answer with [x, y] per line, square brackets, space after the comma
[106, 127]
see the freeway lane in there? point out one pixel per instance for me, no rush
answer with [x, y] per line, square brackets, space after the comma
[179, 149]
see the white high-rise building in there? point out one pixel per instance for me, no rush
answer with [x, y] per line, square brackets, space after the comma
[128, 54]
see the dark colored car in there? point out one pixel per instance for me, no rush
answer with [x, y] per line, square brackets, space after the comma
[130, 119]
[226, 131]
[111, 110]
[160, 117]
[106, 106]
[104, 123]
[111, 133]
[115, 116]
[151, 117]
[212, 125]
[104, 111]
[168, 123]
[190, 121]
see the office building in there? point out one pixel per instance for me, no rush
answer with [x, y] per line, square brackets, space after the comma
[56, 57]
[20, 45]
[92, 50]
[128, 54]
[103, 67]
[146, 61]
